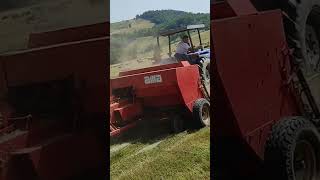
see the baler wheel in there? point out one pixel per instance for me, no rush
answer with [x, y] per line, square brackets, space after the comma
[292, 150]
[205, 69]
[201, 112]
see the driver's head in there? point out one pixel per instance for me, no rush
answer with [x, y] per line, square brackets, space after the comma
[185, 39]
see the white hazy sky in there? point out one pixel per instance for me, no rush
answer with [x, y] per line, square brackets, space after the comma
[128, 9]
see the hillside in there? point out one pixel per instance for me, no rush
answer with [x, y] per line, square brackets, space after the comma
[133, 42]
[122, 27]
[17, 22]
[172, 19]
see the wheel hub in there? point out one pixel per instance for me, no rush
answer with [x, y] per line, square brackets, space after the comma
[206, 115]
[305, 162]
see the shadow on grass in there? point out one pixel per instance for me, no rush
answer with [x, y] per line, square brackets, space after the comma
[147, 133]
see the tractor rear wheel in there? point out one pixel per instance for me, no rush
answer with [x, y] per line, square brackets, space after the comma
[302, 27]
[292, 151]
[205, 74]
[303, 33]
[201, 112]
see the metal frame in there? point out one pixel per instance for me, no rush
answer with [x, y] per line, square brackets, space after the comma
[187, 29]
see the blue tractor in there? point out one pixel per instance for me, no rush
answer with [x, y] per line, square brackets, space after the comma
[198, 56]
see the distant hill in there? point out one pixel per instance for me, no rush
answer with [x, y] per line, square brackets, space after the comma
[162, 20]
[23, 17]
[172, 19]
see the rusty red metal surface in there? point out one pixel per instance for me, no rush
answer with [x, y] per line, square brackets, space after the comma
[230, 8]
[67, 139]
[69, 35]
[129, 111]
[243, 7]
[175, 85]
[250, 76]
[59, 62]
[256, 94]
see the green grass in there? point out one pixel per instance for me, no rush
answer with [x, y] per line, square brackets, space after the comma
[181, 156]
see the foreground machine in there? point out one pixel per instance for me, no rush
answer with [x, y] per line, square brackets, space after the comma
[52, 106]
[266, 89]
[174, 91]
[178, 92]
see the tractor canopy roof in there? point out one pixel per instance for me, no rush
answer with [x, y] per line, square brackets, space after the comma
[182, 29]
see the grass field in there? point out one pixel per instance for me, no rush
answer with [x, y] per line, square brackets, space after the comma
[122, 27]
[167, 156]
[17, 24]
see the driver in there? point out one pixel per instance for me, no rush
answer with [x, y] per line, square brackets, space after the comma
[183, 46]
[183, 49]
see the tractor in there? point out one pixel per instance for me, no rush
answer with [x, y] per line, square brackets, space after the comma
[173, 90]
[201, 56]
[266, 89]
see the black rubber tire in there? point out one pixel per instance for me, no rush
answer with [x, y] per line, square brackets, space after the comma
[303, 16]
[281, 147]
[199, 106]
[205, 69]
[205, 73]
[177, 124]
[301, 13]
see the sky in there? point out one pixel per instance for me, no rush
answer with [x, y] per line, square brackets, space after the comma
[127, 9]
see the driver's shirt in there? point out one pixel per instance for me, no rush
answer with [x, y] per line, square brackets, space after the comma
[182, 48]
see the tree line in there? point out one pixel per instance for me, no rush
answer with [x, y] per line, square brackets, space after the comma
[172, 19]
